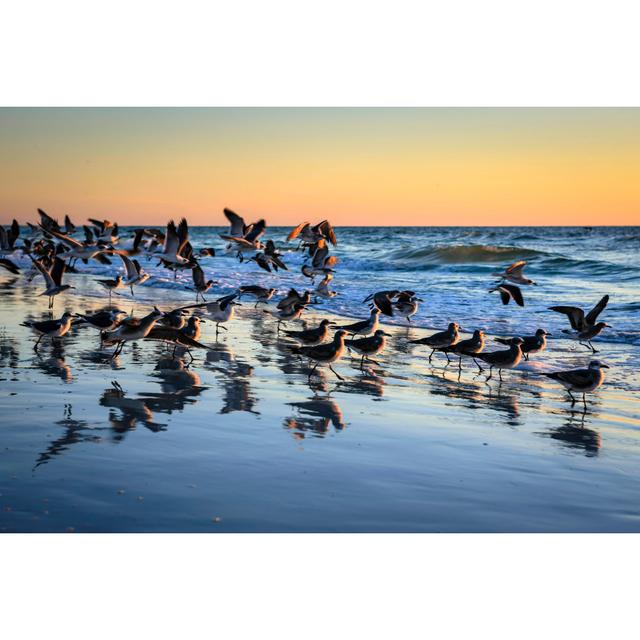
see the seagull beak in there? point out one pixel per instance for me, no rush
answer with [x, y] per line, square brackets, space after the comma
[419, 299]
[387, 334]
[605, 366]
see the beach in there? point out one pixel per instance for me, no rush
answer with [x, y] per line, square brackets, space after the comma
[241, 441]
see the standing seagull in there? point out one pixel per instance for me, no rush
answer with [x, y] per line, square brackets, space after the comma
[469, 347]
[370, 346]
[51, 328]
[531, 344]
[287, 314]
[580, 380]
[219, 311]
[509, 292]
[325, 353]
[261, 294]
[513, 273]
[441, 340]
[199, 284]
[364, 327]
[584, 325]
[311, 337]
[406, 304]
[131, 329]
[111, 285]
[504, 359]
[52, 279]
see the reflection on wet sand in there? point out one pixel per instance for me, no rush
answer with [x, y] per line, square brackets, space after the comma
[235, 379]
[314, 416]
[74, 432]
[574, 436]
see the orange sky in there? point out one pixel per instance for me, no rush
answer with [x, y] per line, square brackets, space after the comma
[353, 166]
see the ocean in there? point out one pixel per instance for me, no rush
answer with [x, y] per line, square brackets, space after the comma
[450, 269]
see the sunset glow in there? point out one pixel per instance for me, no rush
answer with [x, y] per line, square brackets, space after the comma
[353, 166]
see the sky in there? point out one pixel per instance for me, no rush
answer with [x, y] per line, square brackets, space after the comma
[354, 166]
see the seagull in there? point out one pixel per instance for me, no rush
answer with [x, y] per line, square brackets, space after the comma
[52, 279]
[325, 353]
[587, 335]
[131, 329]
[310, 235]
[134, 273]
[51, 328]
[244, 237]
[311, 337]
[470, 346]
[103, 320]
[292, 297]
[193, 329]
[440, 340]
[383, 300]
[77, 250]
[105, 231]
[321, 261]
[287, 314]
[174, 319]
[207, 252]
[219, 311]
[509, 292]
[364, 327]
[504, 359]
[513, 273]
[580, 380]
[111, 285]
[176, 337]
[8, 238]
[584, 325]
[323, 290]
[175, 242]
[370, 346]
[406, 304]
[261, 294]
[199, 284]
[531, 344]
[270, 258]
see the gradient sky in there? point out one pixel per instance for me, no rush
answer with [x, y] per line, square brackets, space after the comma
[354, 166]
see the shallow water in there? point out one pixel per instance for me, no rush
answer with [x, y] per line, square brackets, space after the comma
[241, 441]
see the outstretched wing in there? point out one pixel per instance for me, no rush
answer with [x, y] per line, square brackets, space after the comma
[597, 310]
[255, 230]
[516, 294]
[327, 232]
[236, 222]
[57, 271]
[516, 268]
[47, 276]
[198, 276]
[575, 315]
[298, 230]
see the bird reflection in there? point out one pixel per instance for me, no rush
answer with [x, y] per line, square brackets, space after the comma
[235, 379]
[574, 436]
[74, 432]
[125, 413]
[9, 353]
[367, 384]
[314, 417]
[55, 365]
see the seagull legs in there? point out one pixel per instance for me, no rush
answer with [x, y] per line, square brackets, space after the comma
[35, 347]
[490, 374]
[315, 366]
[573, 400]
[431, 354]
[336, 373]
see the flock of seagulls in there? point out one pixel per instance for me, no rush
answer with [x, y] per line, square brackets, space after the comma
[54, 249]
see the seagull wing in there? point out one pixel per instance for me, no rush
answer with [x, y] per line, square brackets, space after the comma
[171, 240]
[47, 221]
[183, 235]
[516, 268]
[575, 315]
[592, 316]
[515, 293]
[225, 300]
[57, 271]
[327, 232]
[236, 223]
[4, 241]
[298, 230]
[256, 230]
[198, 276]
[49, 283]
[13, 233]
[129, 267]
[381, 300]
[69, 242]
[9, 266]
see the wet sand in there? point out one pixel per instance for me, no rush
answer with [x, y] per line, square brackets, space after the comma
[240, 441]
